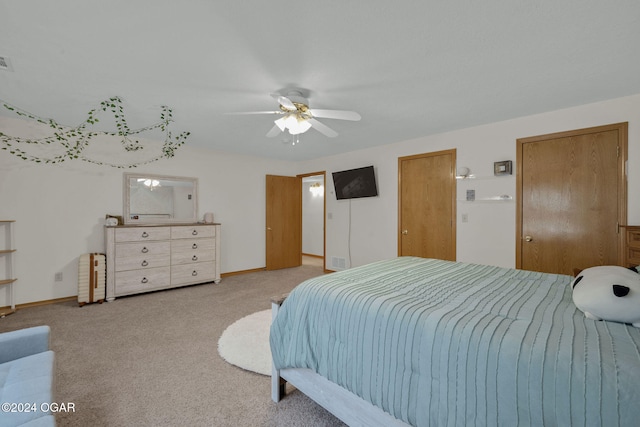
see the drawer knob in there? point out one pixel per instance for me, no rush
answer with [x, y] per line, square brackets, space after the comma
[145, 250]
[144, 263]
[145, 234]
[194, 246]
[194, 258]
[144, 280]
[194, 232]
[195, 273]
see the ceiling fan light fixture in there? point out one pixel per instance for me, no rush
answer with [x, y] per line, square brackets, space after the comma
[297, 118]
[292, 122]
[305, 125]
[281, 123]
[300, 126]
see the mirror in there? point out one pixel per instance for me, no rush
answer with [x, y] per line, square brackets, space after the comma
[159, 199]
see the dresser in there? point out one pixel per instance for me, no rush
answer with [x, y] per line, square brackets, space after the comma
[149, 258]
[632, 246]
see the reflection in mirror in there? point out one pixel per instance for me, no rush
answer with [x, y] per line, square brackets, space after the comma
[158, 199]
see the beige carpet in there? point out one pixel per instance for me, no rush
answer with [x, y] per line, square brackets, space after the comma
[151, 360]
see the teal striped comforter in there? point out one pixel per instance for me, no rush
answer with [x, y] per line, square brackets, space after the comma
[438, 343]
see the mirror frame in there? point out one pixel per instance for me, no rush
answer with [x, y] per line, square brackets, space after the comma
[126, 202]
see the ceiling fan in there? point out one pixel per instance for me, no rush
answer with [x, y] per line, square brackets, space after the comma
[297, 117]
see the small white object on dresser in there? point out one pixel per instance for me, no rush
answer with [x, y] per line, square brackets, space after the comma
[149, 258]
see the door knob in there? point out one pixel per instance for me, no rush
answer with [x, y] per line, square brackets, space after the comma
[528, 238]
[268, 228]
[405, 232]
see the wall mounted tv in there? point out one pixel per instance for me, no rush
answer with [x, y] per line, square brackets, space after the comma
[355, 183]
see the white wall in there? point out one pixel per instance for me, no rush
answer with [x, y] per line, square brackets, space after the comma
[489, 235]
[60, 212]
[60, 209]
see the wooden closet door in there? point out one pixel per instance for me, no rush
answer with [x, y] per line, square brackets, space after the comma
[284, 222]
[427, 205]
[572, 199]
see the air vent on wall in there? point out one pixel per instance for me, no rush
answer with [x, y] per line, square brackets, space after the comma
[338, 263]
[5, 64]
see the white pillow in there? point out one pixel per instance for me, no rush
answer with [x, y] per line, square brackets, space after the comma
[608, 293]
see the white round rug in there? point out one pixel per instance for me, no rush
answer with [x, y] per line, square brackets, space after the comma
[245, 343]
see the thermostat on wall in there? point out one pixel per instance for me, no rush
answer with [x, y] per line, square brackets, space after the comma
[502, 168]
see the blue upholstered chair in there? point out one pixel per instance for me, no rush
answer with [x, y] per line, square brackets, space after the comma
[26, 378]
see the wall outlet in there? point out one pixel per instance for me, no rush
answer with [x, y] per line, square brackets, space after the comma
[58, 277]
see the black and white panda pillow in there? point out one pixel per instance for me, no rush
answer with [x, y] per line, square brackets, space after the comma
[608, 293]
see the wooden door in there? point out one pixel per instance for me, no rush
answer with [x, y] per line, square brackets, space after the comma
[284, 222]
[427, 205]
[572, 198]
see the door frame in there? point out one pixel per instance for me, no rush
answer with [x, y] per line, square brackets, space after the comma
[454, 215]
[324, 213]
[622, 129]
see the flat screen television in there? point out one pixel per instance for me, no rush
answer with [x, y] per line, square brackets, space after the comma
[355, 183]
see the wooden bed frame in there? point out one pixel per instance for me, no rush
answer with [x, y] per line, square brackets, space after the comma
[348, 407]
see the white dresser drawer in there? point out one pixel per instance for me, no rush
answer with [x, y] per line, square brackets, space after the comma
[185, 251]
[193, 273]
[134, 281]
[141, 264]
[143, 250]
[141, 234]
[191, 231]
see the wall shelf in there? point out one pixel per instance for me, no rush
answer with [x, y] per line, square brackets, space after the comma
[501, 199]
[473, 178]
[7, 252]
[488, 189]
[487, 200]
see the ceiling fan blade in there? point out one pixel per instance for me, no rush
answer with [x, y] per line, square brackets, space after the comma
[275, 131]
[287, 103]
[322, 128]
[246, 113]
[335, 114]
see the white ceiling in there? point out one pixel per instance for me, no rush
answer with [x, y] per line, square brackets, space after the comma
[410, 68]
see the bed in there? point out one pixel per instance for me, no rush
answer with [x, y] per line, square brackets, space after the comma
[425, 342]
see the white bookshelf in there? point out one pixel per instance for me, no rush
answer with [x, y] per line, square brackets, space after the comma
[7, 251]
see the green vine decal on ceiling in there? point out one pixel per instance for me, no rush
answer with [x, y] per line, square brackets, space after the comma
[74, 141]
